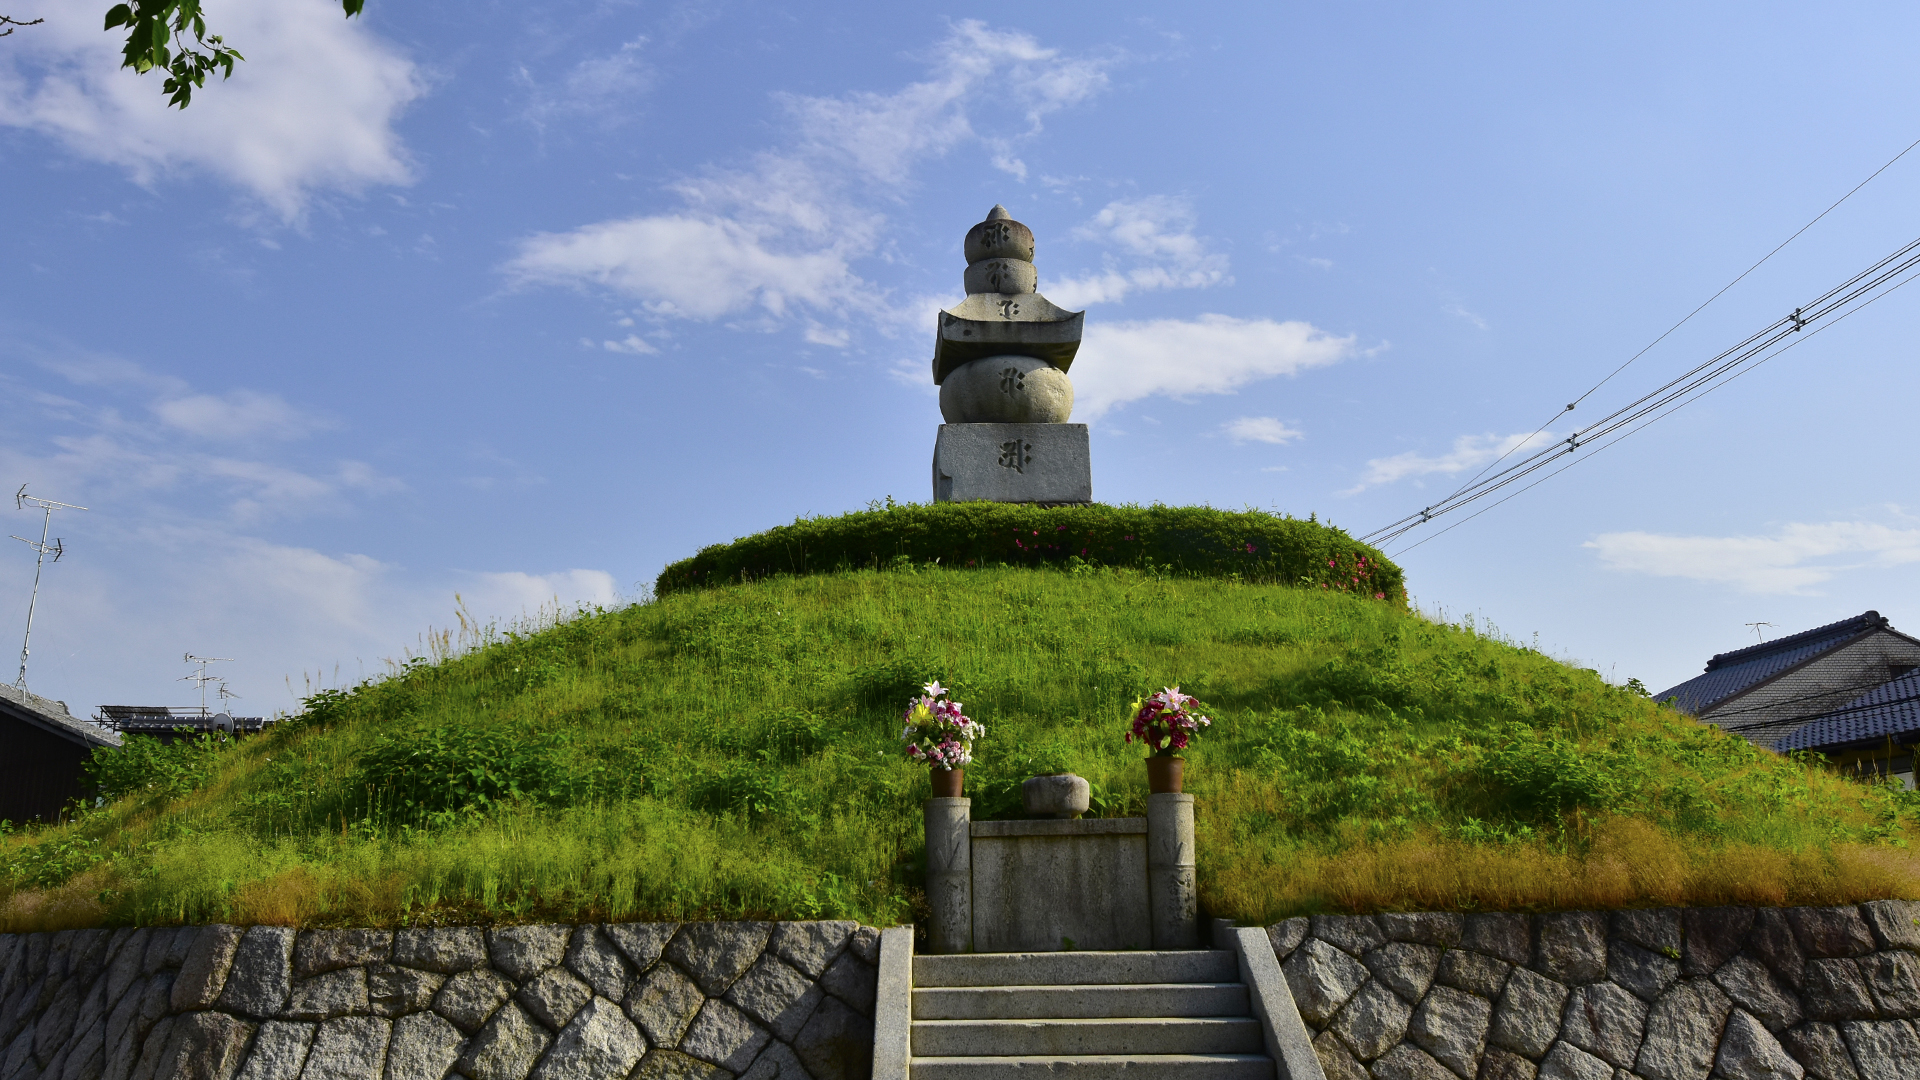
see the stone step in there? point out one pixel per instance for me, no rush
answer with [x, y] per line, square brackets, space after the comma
[1070, 1002]
[1107, 1035]
[1097, 1067]
[1076, 968]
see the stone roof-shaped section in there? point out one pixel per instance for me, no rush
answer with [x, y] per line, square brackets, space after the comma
[1731, 673]
[52, 716]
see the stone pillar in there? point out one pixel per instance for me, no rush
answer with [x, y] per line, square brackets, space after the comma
[1171, 888]
[950, 874]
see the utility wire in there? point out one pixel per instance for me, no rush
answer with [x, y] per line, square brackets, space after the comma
[1663, 415]
[1854, 294]
[1689, 317]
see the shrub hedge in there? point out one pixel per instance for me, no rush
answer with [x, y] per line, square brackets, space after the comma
[1193, 541]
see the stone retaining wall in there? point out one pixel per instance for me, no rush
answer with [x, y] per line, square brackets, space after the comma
[1667, 994]
[660, 1001]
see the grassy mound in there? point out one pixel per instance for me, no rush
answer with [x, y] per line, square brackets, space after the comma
[731, 752]
[1191, 541]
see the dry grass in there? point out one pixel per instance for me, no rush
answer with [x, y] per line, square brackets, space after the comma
[1626, 863]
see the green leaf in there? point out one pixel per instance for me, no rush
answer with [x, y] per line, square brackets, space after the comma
[119, 15]
[352, 7]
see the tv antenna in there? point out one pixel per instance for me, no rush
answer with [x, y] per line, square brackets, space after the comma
[225, 695]
[202, 678]
[41, 551]
[1755, 627]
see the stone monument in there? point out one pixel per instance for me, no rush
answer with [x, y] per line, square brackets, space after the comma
[1000, 359]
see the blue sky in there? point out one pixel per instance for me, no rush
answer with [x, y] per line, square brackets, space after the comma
[522, 301]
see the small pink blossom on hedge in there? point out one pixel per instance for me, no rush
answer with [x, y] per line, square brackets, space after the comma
[937, 732]
[1164, 720]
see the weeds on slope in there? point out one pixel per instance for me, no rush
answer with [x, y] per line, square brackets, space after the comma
[733, 752]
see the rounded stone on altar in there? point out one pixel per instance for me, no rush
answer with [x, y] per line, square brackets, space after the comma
[1012, 277]
[1056, 795]
[1006, 390]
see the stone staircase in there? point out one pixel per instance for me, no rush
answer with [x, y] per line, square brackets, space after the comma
[1084, 1015]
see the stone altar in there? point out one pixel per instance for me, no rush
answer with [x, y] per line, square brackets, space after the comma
[1000, 358]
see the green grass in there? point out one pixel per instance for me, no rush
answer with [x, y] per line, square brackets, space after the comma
[733, 751]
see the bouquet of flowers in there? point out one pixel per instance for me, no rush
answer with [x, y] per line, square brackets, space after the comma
[1166, 721]
[937, 732]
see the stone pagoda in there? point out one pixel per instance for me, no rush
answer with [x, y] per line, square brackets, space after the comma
[1000, 359]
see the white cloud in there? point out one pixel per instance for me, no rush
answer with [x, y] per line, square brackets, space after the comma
[514, 594]
[1177, 358]
[1469, 452]
[782, 234]
[1460, 312]
[1791, 561]
[312, 107]
[1155, 235]
[185, 550]
[632, 345]
[1261, 429]
[238, 414]
[598, 86]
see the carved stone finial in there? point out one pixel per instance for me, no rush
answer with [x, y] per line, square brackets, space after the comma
[998, 213]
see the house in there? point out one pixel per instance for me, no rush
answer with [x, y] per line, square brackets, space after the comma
[42, 749]
[166, 723]
[1846, 690]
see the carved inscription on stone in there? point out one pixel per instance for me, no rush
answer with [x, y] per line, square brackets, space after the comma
[1015, 455]
[1008, 309]
[1012, 379]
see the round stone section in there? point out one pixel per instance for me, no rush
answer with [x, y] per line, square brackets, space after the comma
[1007, 390]
[999, 237]
[1058, 795]
[1009, 277]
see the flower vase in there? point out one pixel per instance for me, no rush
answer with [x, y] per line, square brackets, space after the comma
[1163, 774]
[947, 782]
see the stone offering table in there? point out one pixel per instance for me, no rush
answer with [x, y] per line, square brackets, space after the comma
[1044, 886]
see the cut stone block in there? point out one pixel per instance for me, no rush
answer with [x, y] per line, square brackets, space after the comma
[1452, 1026]
[1683, 1032]
[442, 949]
[715, 954]
[1373, 1021]
[350, 1048]
[522, 952]
[1019, 463]
[1748, 1051]
[810, 946]
[598, 1042]
[424, 1047]
[641, 942]
[262, 974]
[1476, 973]
[1406, 968]
[663, 1004]
[1321, 978]
[1529, 1014]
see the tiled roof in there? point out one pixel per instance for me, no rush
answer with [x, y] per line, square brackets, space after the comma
[1890, 709]
[54, 715]
[1729, 673]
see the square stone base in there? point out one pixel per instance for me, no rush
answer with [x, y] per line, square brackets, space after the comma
[1021, 463]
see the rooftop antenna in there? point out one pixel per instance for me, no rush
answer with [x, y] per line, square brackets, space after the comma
[41, 551]
[1755, 627]
[202, 678]
[225, 695]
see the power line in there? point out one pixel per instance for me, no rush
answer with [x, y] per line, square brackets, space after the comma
[1689, 316]
[1618, 438]
[1854, 294]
